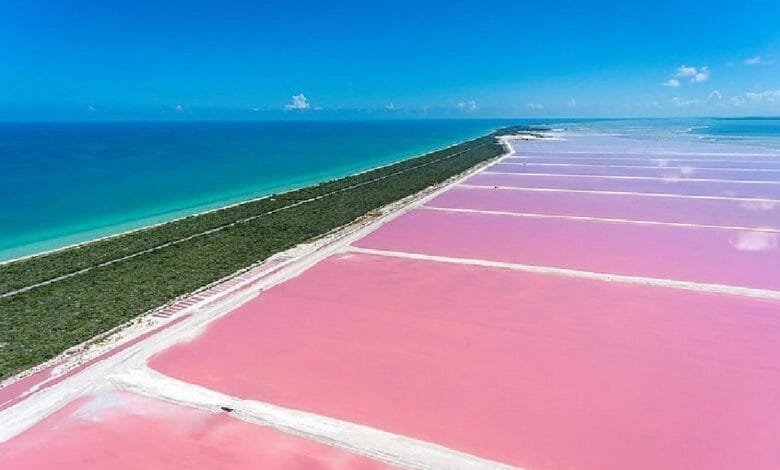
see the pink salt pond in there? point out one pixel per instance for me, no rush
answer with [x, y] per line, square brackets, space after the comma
[120, 431]
[760, 189]
[533, 370]
[686, 172]
[731, 213]
[632, 153]
[660, 162]
[704, 255]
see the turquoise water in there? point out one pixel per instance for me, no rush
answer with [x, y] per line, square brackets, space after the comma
[65, 183]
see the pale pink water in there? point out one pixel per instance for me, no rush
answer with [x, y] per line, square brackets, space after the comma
[540, 371]
[616, 206]
[749, 259]
[652, 161]
[769, 190]
[15, 390]
[669, 172]
[606, 145]
[117, 431]
[633, 149]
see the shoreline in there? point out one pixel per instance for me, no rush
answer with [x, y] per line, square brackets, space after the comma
[142, 328]
[120, 281]
[223, 206]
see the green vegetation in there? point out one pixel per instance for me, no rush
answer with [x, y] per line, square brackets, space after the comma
[109, 282]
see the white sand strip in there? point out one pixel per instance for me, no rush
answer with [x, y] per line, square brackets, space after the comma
[644, 178]
[380, 445]
[624, 193]
[647, 281]
[647, 167]
[601, 219]
[647, 158]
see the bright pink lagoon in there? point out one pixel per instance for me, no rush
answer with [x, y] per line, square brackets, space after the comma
[123, 431]
[732, 189]
[538, 371]
[706, 255]
[685, 172]
[735, 213]
[657, 162]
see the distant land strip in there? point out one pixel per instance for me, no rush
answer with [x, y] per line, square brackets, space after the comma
[227, 225]
[51, 302]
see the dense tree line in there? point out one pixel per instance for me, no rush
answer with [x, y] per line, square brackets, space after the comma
[40, 323]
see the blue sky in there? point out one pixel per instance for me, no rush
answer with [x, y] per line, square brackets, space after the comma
[170, 59]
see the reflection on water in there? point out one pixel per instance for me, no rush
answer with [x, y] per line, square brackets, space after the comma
[759, 206]
[754, 241]
[676, 174]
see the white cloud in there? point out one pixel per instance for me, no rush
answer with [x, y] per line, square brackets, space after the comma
[572, 103]
[671, 83]
[684, 71]
[683, 102]
[179, 108]
[701, 76]
[714, 96]
[737, 101]
[470, 105]
[91, 109]
[535, 106]
[696, 75]
[757, 98]
[298, 102]
[769, 96]
[753, 60]
[390, 106]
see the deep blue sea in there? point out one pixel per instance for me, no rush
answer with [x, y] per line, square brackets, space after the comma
[63, 183]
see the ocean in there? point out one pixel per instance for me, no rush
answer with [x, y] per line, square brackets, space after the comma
[64, 183]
